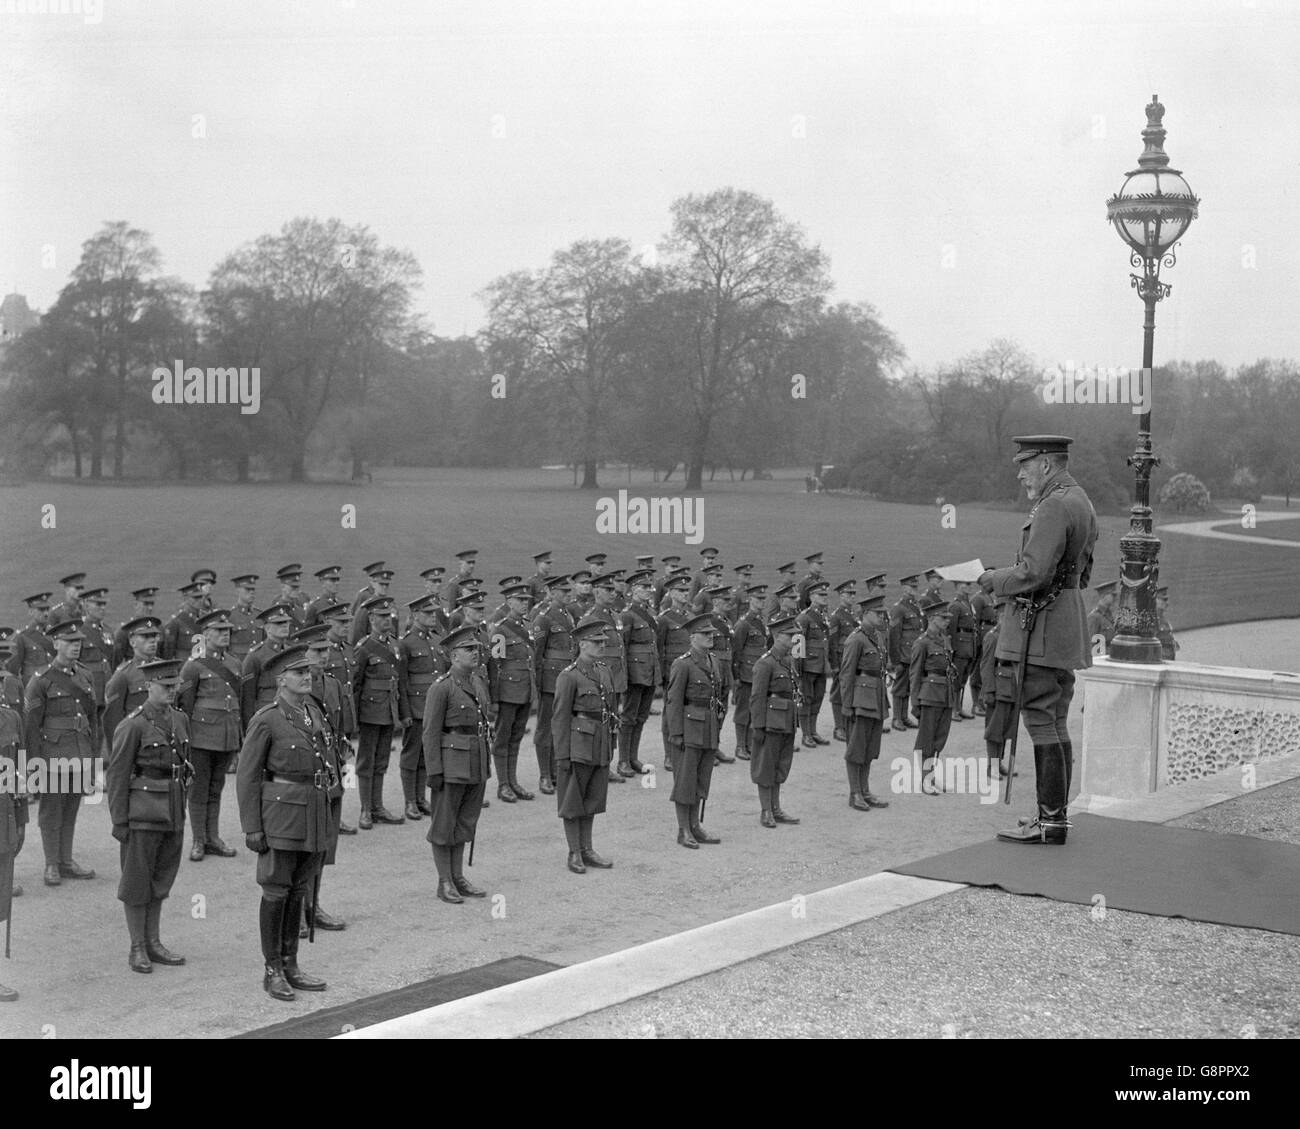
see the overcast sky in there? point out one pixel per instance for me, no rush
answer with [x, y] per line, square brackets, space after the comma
[952, 157]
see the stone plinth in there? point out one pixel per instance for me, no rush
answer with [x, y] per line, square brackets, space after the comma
[1148, 727]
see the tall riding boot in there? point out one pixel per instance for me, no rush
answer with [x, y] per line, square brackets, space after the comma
[993, 754]
[697, 825]
[837, 716]
[138, 960]
[856, 801]
[1050, 825]
[874, 801]
[463, 885]
[364, 794]
[1067, 749]
[512, 768]
[408, 785]
[158, 952]
[625, 747]
[573, 834]
[271, 922]
[447, 891]
[634, 760]
[685, 837]
[777, 813]
[765, 807]
[422, 789]
[504, 791]
[899, 707]
[742, 741]
[289, 947]
[589, 855]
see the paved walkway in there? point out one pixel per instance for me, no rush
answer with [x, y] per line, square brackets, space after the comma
[1207, 529]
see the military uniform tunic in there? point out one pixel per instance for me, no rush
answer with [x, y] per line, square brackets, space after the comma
[208, 695]
[13, 804]
[933, 691]
[32, 649]
[457, 740]
[582, 726]
[906, 626]
[998, 687]
[257, 684]
[815, 664]
[62, 729]
[775, 701]
[694, 706]
[748, 643]
[861, 679]
[245, 632]
[637, 627]
[553, 650]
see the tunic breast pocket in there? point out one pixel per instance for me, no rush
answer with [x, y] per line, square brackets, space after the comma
[588, 726]
[284, 816]
[695, 731]
[459, 757]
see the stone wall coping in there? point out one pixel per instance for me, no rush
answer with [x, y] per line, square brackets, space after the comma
[1197, 676]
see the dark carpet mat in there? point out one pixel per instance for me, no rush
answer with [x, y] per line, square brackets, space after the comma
[328, 1022]
[1144, 867]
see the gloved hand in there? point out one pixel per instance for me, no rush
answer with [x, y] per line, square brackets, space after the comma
[435, 783]
[121, 832]
[257, 843]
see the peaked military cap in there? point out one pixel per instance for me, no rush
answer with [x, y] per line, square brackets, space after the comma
[645, 561]
[373, 567]
[190, 589]
[756, 590]
[76, 580]
[787, 626]
[677, 583]
[935, 607]
[41, 599]
[145, 593]
[557, 581]
[544, 555]
[670, 559]
[314, 634]
[701, 625]
[334, 611]
[872, 603]
[276, 613]
[1031, 446]
[463, 638]
[790, 567]
[329, 572]
[874, 578]
[423, 603]
[593, 630]
[846, 586]
[818, 586]
[69, 630]
[202, 574]
[467, 554]
[293, 657]
[915, 578]
[384, 575]
[597, 560]
[604, 580]
[708, 551]
[508, 581]
[248, 580]
[643, 578]
[786, 590]
[711, 569]
[218, 617]
[582, 576]
[96, 595]
[143, 625]
[6, 633]
[380, 605]
[432, 573]
[813, 557]
[470, 600]
[742, 568]
[165, 671]
[718, 591]
[288, 572]
[517, 592]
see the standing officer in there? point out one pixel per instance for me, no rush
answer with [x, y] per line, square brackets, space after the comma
[861, 676]
[710, 576]
[73, 588]
[208, 696]
[739, 598]
[774, 702]
[283, 787]
[61, 721]
[1054, 563]
[1101, 620]
[986, 616]
[843, 622]
[511, 682]
[905, 628]
[673, 641]
[291, 594]
[670, 563]
[813, 577]
[933, 593]
[145, 786]
[815, 664]
[329, 578]
[708, 569]
[143, 600]
[97, 647]
[178, 632]
[380, 579]
[341, 667]
[327, 693]
[582, 729]
[454, 588]
[457, 740]
[420, 659]
[245, 628]
[13, 801]
[371, 589]
[257, 684]
[694, 706]
[582, 600]
[998, 680]
[1165, 633]
[612, 652]
[748, 642]
[719, 599]
[963, 633]
[553, 650]
[32, 647]
[933, 692]
[503, 608]
[537, 583]
[432, 578]
[380, 703]
[784, 576]
[638, 628]
[11, 690]
[126, 688]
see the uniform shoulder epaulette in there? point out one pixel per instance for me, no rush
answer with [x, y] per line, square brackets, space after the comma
[443, 676]
[137, 711]
[572, 666]
[262, 709]
[42, 669]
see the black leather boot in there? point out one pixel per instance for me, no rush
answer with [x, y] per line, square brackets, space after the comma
[289, 947]
[138, 959]
[697, 828]
[1051, 824]
[271, 922]
[158, 952]
[463, 885]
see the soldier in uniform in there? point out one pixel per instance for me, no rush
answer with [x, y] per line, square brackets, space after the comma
[32, 647]
[986, 616]
[457, 739]
[709, 568]
[328, 695]
[739, 597]
[329, 578]
[454, 588]
[905, 627]
[142, 600]
[283, 786]
[372, 588]
[553, 650]
[420, 659]
[73, 589]
[842, 621]
[1054, 563]
[503, 608]
[1165, 633]
[291, 596]
[775, 701]
[97, 649]
[209, 697]
[673, 641]
[708, 577]
[998, 682]
[670, 563]
[815, 664]
[380, 579]
[784, 577]
[257, 685]
[613, 653]
[811, 578]
[245, 628]
[126, 688]
[537, 583]
[638, 628]
[145, 786]
[432, 578]
[205, 578]
[933, 693]
[861, 674]
[694, 706]
[178, 632]
[340, 666]
[11, 690]
[963, 633]
[1101, 620]
[380, 702]
[719, 600]
[583, 599]
[511, 683]
[582, 729]
[61, 726]
[748, 642]
[13, 800]
[933, 593]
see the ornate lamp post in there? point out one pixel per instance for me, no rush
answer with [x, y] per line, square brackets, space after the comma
[1151, 212]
